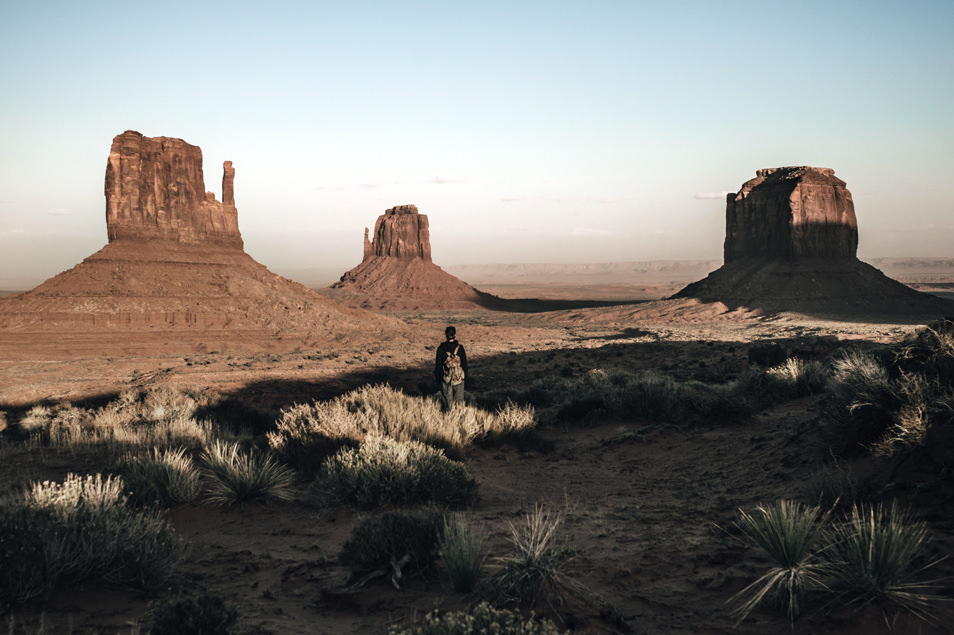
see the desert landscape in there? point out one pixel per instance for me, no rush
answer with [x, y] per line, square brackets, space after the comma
[636, 411]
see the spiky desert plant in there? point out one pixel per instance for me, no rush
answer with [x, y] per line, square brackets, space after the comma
[463, 550]
[788, 532]
[531, 572]
[384, 472]
[236, 476]
[876, 557]
[163, 477]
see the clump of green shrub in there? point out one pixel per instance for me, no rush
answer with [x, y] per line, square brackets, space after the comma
[236, 476]
[480, 620]
[394, 544]
[463, 550]
[82, 530]
[383, 472]
[163, 477]
[206, 615]
[307, 434]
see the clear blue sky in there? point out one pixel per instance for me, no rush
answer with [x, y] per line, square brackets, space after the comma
[527, 131]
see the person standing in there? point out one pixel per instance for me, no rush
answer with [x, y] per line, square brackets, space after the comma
[450, 368]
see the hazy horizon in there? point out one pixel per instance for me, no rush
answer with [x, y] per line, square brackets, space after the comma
[526, 132]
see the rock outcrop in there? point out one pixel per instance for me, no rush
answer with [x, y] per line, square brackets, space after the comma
[792, 212]
[174, 277]
[400, 232]
[396, 271]
[790, 245]
[155, 189]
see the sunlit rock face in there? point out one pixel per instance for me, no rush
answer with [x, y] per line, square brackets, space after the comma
[155, 189]
[396, 271]
[400, 232]
[791, 239]
[790, 213]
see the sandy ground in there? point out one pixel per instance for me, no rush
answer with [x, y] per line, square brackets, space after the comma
[645, 504]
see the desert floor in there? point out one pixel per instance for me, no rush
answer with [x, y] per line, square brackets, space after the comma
[645, 504]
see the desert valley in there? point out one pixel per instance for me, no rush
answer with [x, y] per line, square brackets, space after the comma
[640, 410]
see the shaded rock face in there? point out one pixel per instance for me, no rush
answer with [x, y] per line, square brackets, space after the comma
[791, 213]
[155, 189]
[400, 232]
[791, 243]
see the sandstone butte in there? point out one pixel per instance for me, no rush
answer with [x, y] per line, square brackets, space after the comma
[791, 241]
[397, 272]
[174, 276]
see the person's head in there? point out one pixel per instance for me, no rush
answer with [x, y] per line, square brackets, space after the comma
[450, 332]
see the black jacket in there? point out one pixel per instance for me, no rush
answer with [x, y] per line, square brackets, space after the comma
[442, 351]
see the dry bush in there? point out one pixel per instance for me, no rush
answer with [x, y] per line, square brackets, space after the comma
[82, 530]
[395, 544]
[383, 472]
[163, 477]
[306, 434]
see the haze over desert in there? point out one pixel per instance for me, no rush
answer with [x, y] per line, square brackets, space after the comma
[699, 262]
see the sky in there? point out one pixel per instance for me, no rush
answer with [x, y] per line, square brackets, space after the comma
[567, 132]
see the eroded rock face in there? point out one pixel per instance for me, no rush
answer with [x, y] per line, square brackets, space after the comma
[791, 213]
[399, 233]
[155, 189]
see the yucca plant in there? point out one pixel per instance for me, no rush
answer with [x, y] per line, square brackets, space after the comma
[531, 572]
[788, 531]
[236, 476]
[463, 550]
[876, 557]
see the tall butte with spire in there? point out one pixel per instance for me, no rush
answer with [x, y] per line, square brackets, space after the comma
[791, 242]
[174, 275]
[397, 272]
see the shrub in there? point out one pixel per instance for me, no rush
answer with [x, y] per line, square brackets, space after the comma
[307, 434]
[207, 615]
[480, 620]
[81, 530]
[531, 572]
[236, 476]
[165, 478]
[767, 354]
[463, 550]
[394, 543]
[384, 472]
[876, 556]
[788, 532]
[861, 400]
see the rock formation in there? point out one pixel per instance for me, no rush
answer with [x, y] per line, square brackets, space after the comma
[155, 189]
[399, 232]
[794, 212]
[791, 240]
[396, 271]
[174, 276]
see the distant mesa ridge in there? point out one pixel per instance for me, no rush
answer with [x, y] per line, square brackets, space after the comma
[155, 190]
[791, 242]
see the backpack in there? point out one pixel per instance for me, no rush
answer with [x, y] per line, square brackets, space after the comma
[453, 372]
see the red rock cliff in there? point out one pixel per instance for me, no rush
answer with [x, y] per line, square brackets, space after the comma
[155, 189]
[399, 232]
[791, 213]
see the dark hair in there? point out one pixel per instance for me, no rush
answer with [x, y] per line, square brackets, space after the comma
[450, 332]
